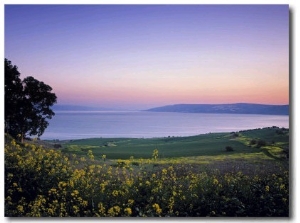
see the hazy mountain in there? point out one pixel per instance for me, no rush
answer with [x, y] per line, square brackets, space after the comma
[238, 108]
[78, 108]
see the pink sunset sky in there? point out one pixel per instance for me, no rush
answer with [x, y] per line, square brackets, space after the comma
[143, 56]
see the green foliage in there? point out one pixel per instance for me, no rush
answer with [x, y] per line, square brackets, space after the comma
[45, 182]
[261, 143]
[27, 104]
[71, 148]
[90, 155]
[252, 142]
[155, 154]
[229, 149]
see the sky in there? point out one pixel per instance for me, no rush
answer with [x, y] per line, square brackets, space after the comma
[143, 56]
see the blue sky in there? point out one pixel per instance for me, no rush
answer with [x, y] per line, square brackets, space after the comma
[139, 56]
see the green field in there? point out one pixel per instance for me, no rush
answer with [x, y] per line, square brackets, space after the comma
[237, 174]
[274, 141]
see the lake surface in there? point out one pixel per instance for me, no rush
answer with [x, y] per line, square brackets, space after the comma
[138, 124]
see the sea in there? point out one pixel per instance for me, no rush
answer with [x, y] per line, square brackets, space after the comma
[67, 125]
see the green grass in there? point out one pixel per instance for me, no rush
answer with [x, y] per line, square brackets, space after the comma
[212, 144]
[270, 135]
[197, 172]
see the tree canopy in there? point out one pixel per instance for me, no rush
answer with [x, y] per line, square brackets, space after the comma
[27, 103]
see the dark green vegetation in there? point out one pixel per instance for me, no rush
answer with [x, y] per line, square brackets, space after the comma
[239, 174]
[27, 104]
[274, 140]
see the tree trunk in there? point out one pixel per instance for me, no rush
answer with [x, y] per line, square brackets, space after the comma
[22, 138]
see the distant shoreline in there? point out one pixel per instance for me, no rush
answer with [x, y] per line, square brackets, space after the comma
[162, 137]
[237, 108]
[136, 111]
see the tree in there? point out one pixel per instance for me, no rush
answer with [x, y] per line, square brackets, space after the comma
[228, 149]
[27, 104]
[13, 88]
[261, 143]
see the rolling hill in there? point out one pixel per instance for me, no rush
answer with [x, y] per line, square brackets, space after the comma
[238, 108]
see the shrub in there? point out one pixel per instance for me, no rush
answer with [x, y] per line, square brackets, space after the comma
[229, 149]
[261, 143]
[57, 146]
[252, 142]
[135, 163]
[235, 134]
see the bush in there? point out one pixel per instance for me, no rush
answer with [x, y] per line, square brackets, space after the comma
[135, 163]
[252, 142]
[235, 134]
[229, 149]
[261, 143]
[57, 146]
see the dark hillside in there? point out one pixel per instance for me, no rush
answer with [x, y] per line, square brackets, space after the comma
[239, 108]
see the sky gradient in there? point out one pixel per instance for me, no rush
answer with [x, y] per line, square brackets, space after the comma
[142, 56]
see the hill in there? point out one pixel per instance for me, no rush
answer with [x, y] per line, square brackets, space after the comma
[211, 144]
[62, 107]
[238, 108]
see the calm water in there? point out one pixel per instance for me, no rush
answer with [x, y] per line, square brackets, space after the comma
[77, 125]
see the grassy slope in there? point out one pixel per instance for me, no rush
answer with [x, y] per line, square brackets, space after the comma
[212, 144]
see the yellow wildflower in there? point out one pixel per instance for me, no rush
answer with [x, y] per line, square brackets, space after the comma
[20, 208]
[130, 202]
[115, 193]
[215, 181]
[157, 208]
[128, 211]
[267, 188]
[115, 210]
[75, 209]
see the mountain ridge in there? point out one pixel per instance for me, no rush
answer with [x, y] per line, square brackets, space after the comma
[66, 107]
[235, 108]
